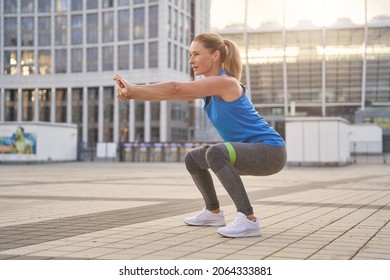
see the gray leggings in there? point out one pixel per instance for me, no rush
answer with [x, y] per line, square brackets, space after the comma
[256, 159]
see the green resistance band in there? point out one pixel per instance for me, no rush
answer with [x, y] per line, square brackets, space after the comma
[232, 152]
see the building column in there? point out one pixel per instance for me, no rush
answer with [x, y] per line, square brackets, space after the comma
[163, 121]
[53, 105]
[147, 122]
[85, 116]
[323, 72]
[132, 121]
[36, 105]
[2, 105]
[20, 104]
[69, 105]
[284, 40]
[116, 120]
[364, 66]
[100, 115]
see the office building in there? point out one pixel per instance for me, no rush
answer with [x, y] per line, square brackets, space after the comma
[58, 57]
[340, 70]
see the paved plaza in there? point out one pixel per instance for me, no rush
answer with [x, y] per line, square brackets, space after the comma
[115, 211]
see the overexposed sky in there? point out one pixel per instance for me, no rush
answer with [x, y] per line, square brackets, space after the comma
[225, 12]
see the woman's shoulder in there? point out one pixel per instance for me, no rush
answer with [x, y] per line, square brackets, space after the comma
[232, 89]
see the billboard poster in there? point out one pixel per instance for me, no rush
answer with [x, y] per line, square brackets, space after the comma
[17, 142]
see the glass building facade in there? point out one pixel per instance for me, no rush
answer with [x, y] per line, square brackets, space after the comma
[58, 57]
[342, 70]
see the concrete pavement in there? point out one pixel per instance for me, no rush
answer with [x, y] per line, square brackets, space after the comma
[99, 210]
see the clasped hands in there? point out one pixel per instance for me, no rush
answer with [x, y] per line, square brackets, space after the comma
[123, 85]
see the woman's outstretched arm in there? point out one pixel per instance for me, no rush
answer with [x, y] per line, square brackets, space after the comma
[223, 86]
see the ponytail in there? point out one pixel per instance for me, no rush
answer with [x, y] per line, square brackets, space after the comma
[232, 63]
[230, 55]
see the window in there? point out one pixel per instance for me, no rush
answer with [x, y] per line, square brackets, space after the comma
[10, 63]
[77, 106]
[108, 27]
[92, 31]
[27, 6]
[123, 2]
[44, 104]
[174, 24]
[27, 31]
[139, 56]
[28, 98]
[27, 62]
[108, 58]
[11, 104]
[77, 60]
[175, 55]
[169, 57]
[44, 62]
[153, 54]
[61, 105]
[108, 114]
[153, 21]
[77, 30]
[44, 31]
[139, 111]
[44, 6]
[77, 5]
[92, 58]
[123, 57]
[169, 22]
[180, 25]
[61, 30]
[10, 6]
[61, 5]
[179, 134]
[124, 121]
[10, 32]
[155, 134]
[123, 25]
[155, 111]
[179, 112]
[92, 4]
[60, 61]
[139, 23]
[108, 3]
[93, 113]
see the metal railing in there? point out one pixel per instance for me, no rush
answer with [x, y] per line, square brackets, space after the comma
[361, 152]
[369, 152]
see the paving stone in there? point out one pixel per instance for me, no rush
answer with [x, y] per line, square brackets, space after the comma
[136, 211]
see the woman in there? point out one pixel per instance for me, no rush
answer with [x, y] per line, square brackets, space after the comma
[251, 146]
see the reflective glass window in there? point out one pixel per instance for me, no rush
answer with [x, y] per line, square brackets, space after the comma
[60, 60]
[44, 31]
[44, 62]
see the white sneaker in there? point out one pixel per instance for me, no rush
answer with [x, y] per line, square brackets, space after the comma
[241, 227]
[206, 218]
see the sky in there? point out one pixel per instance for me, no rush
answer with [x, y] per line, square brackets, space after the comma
[320, 12]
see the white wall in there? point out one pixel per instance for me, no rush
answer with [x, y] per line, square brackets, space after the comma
[51, 141]
[366, 138]
[317, 140]
[329, 140]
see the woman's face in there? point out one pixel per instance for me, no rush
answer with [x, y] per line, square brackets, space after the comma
[19, 133]
[202, 61]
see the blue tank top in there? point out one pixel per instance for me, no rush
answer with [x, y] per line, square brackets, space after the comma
[238, 121]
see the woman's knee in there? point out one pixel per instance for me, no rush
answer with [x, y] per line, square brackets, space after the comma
[216, 157]
[195, 160]
[189, 162]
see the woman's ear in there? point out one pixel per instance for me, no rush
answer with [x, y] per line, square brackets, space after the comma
[216, 55]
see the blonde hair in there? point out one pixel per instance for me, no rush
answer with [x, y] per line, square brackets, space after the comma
[230, 55]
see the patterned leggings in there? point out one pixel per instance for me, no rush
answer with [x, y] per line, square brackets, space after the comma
[256, 159]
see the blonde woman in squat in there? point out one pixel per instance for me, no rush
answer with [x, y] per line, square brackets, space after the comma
[250, 145]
